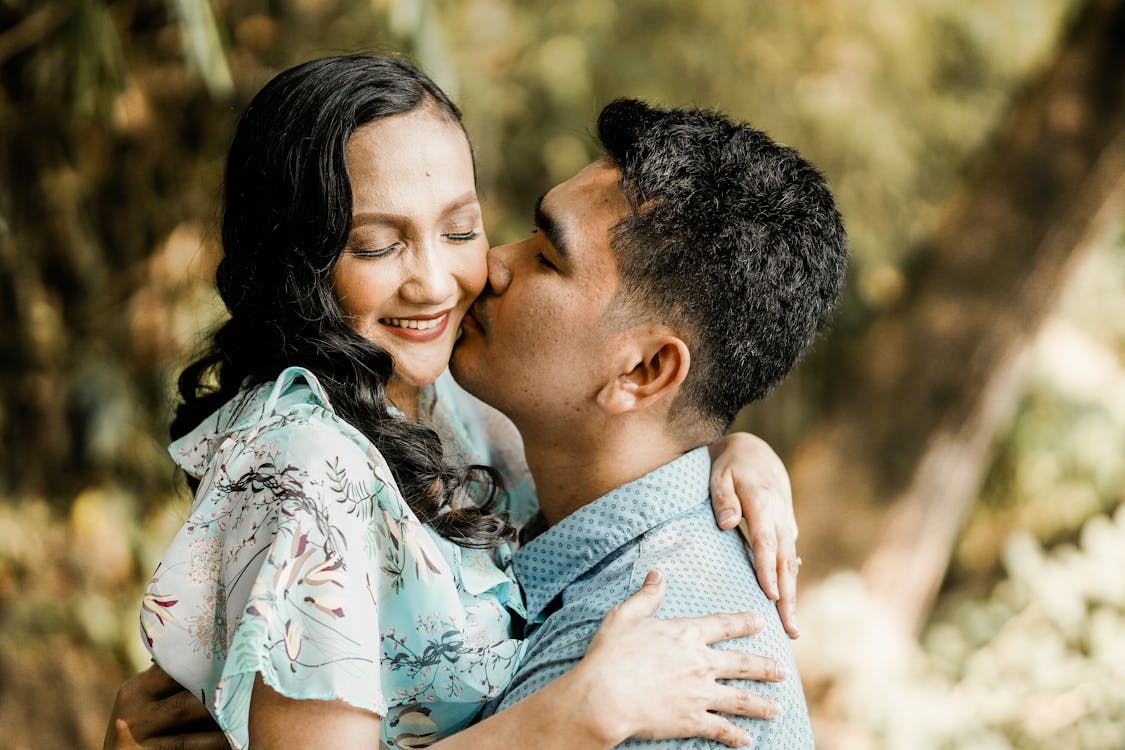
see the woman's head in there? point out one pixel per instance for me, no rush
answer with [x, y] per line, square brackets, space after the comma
[349, 212]
[415, 257]
[334, 160]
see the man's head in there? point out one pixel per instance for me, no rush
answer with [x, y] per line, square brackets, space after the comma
[686, 271]
[730, 238]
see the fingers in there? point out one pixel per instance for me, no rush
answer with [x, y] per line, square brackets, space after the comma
[764, 544]
[196, 741]
[144, 719]
[121, 738]
[787, 603]
[723, 626]
[153, 683]
[740, 702]
[118, 736]
[740, 665]
[715, 727]
[647, 598]
[724, 501]
[183, 710]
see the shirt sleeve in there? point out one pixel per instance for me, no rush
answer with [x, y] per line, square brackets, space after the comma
[306, 516]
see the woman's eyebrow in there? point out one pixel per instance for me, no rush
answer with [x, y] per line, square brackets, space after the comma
[383, 217]
[468, 199]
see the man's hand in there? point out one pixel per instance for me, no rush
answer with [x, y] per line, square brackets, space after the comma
[749, 480]
[152, 711]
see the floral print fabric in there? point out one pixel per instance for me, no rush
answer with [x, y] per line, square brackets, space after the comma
[301, 562]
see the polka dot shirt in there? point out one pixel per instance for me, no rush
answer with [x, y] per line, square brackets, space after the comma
[574, 572]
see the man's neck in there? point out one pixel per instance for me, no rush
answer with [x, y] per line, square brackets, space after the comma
[572, 473]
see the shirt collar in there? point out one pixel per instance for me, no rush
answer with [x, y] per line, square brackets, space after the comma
[560, 555]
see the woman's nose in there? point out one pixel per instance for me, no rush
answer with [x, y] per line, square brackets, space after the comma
[431, 279]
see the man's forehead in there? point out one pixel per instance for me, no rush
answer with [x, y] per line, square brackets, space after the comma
[597, 184]
[594, 193]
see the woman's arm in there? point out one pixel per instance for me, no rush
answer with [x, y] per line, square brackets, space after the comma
[280, 722]
[641, 677]
[748, 479]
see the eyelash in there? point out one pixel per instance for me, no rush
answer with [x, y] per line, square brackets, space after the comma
[383, 251]
[540, 257]
[379, 253]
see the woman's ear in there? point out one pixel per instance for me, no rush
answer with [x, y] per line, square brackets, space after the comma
[648, 370]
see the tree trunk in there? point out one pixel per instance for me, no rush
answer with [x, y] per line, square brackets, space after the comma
[884, 482]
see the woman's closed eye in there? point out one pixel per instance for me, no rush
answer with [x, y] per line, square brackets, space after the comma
[462, 236]
[363, 252]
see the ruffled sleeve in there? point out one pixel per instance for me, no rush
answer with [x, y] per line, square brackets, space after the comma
[309, 624]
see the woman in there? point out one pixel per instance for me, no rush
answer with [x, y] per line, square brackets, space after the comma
[333, 553]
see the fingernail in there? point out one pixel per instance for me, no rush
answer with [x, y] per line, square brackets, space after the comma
[779, 672]
[727, 518]
[653, 576]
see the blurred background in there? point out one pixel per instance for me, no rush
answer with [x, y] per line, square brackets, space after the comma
[956, 443]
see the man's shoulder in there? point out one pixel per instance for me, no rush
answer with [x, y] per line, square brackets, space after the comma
[707, 570]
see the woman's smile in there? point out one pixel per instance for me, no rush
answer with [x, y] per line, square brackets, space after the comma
[419, 328]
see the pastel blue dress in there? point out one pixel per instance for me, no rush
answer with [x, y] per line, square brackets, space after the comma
[301, 561]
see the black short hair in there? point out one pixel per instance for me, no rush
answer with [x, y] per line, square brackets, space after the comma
[732, 238]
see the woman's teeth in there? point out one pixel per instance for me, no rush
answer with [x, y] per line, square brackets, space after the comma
[419, 325]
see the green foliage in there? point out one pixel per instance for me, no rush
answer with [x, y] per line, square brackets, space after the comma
[116, 119]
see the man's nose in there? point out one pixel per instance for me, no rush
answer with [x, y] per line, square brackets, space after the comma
[499, 268]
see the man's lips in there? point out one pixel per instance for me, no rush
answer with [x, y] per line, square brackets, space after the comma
[418, 328]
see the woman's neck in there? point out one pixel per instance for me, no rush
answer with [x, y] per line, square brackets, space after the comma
[404, 397]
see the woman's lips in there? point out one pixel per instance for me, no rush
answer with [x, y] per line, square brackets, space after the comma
[418, 328]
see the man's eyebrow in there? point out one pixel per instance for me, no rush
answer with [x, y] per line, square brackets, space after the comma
[546, 224]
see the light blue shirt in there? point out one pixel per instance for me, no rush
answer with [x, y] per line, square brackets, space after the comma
[301, 562]
[574, 572]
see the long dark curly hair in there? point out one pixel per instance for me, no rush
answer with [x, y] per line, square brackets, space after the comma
[287, 214]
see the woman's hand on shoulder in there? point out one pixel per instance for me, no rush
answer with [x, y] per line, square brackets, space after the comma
[749, 480]
[658, 679]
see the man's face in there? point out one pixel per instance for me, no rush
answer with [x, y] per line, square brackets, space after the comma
[537, 344]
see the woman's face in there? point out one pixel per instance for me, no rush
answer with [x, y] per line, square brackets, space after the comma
[415, 258]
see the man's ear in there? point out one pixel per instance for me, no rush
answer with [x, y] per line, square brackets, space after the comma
[649, 369]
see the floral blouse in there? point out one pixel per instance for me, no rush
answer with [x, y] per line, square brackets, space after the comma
[301, 562]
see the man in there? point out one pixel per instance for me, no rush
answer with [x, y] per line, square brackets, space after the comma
[669, 284]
